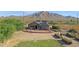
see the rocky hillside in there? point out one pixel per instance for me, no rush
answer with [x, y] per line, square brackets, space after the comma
[42, 15]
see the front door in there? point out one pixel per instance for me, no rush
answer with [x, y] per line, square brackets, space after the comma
[36, 27]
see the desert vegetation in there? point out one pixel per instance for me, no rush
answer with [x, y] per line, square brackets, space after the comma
[62, 29]
[8, 27]
[11, 25]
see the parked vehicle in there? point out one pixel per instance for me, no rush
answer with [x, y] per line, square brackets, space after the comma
[66, 40]
[77, 37]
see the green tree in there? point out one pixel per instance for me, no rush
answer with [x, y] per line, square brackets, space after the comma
[17, 23]
[6, 31]
[8, 27]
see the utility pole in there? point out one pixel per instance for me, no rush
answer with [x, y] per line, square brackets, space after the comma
[77, 18]
[23, 16]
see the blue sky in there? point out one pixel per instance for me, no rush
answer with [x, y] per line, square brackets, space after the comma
[20, 13]
[67, 13]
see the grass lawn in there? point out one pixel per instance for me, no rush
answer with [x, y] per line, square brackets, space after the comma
[39, 43]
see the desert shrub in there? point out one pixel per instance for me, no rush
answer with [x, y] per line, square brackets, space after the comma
[16, 23]
[6, 31]
[71, 35]
[8, 27]
[55, 28]
[52, 23]
[72, 31]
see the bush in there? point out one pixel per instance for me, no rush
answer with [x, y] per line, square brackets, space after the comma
[8, 27]
[71, 35]
[17, 23]
[6, 31]
[72, 31]
[52, 23]
[55, 28]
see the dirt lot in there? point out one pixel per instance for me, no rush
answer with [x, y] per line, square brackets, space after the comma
[21, 36]
[25, 36]
[67, 27]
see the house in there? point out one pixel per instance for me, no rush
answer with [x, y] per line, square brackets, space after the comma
[39, 25]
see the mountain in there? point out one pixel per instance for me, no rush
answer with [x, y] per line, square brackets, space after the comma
[45, 15]
[42, 15]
